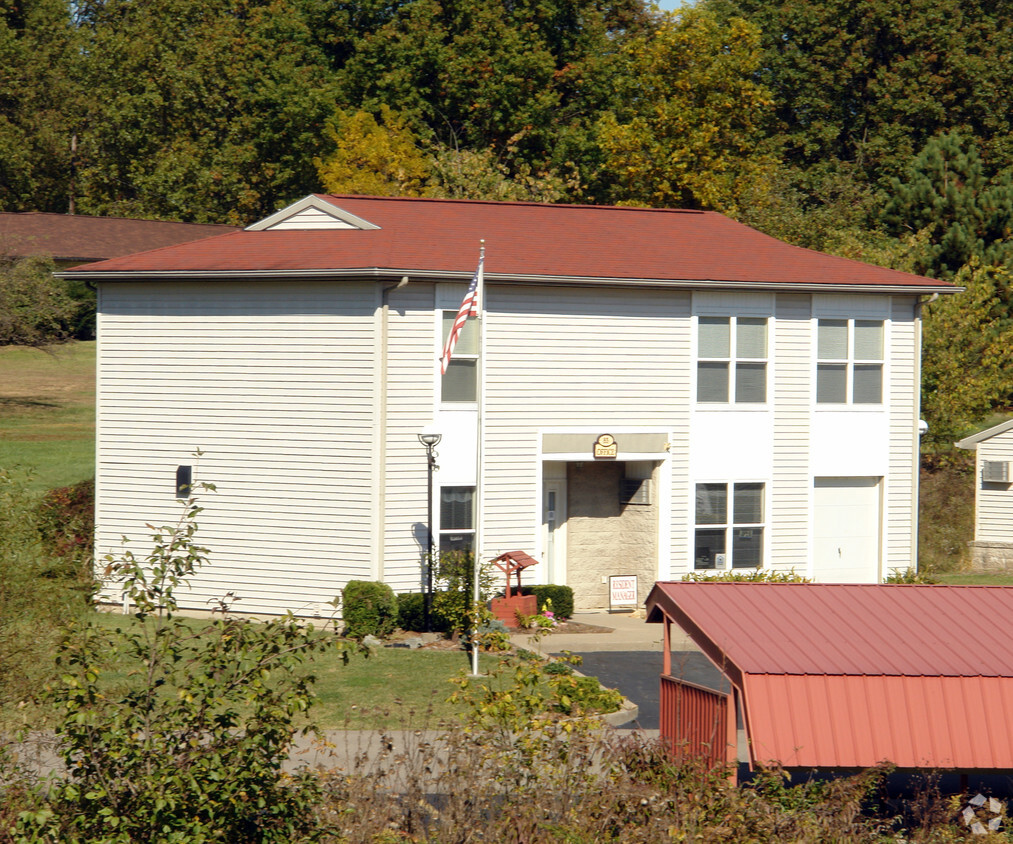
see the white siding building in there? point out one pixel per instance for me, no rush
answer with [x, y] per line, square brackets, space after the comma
[761, 400]
[993, 496]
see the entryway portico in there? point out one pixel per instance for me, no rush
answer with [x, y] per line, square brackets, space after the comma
[604, 509]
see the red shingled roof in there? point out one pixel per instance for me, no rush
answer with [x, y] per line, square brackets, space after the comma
[74, 237]
[852, 675]
[525, 241]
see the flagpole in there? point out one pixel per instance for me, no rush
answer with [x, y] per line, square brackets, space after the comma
[480, 396]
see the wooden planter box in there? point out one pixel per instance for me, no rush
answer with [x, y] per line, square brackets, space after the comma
[506, 609]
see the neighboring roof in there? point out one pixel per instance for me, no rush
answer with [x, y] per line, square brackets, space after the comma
[67, 237]
[852, 675]
[524, 242]
[972, 441]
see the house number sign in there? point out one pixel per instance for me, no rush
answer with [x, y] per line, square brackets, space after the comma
[605, 447]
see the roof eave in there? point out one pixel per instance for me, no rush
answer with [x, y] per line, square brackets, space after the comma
[510, 278]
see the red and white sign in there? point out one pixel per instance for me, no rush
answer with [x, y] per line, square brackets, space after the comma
[622, 590]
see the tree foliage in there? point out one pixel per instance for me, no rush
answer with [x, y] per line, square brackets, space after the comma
[967, 355]
[191, 747]
[689, 132]
[35, 309]
[945, 193]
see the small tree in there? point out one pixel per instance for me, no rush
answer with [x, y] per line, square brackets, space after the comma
[35, 309]
[191, 747]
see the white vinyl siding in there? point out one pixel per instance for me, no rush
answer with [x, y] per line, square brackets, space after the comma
[902, 385]
[274, 385]
[792, 391]
[572, 358]
[411, 383]
[994, 515]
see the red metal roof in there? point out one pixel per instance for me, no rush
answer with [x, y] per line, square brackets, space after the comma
[524, 240]
[852, 675]
[75, 237]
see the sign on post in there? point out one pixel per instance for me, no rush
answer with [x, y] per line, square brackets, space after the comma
[622, 592]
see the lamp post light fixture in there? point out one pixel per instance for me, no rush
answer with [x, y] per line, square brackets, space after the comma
[430, 439]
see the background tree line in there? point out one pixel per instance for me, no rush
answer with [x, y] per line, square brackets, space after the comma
[879, 130]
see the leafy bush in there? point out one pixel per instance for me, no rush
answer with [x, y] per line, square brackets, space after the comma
[411, 611]
[191, 746]
[66, 518]
[747, 576]
[38, 593]
[368, 609]
[561, 598]
[946, 515]
[909, 575]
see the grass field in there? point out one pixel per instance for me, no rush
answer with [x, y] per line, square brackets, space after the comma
[47, 413]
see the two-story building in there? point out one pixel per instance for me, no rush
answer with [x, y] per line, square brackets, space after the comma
[647, 392]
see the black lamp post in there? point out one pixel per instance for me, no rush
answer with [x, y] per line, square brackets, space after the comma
[430, 439]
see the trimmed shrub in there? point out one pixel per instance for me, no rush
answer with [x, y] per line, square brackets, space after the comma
[368, 609]
[561, 597]
[411, 611]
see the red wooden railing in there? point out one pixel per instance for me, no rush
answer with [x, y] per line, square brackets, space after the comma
[695, 722]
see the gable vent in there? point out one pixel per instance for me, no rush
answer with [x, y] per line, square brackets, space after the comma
[995, 471]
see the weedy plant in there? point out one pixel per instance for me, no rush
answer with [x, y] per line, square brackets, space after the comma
[191, 747]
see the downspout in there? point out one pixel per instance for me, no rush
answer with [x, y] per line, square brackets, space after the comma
[380, 452]
[916, 475]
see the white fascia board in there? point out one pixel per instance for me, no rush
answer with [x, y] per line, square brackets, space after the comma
[574, 281]
[971, 442]
[317, 204]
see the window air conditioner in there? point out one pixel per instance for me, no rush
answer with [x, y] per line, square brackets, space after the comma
[995, 471]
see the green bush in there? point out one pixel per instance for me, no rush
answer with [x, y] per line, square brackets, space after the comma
[191, 747]
[747, 576]
[561, 597]
[368, 609]
[411, 611]
[66, 518]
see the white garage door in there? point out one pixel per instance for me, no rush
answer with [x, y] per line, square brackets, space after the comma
[846, 530]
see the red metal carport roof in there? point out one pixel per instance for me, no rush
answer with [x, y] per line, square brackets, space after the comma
[526, 241]
[851, 675]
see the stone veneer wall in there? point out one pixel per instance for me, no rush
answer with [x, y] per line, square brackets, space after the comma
[992, 556]
[603, 537]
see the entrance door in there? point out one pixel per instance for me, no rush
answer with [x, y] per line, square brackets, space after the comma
[846, 541]
[554, 529]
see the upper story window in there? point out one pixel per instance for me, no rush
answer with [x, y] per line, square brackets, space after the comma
[849, 361]
[460, 383]
[731, 360]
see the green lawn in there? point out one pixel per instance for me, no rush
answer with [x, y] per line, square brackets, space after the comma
[47, 413]
[975, 578]
[388, 689]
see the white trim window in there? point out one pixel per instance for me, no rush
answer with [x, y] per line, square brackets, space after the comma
[849, 361]
[460, 383]
[457, 518]
[731, 360]
[729, 526]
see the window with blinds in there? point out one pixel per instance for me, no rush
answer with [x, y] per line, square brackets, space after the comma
[849, 361]
[731, 360]
[729, 526]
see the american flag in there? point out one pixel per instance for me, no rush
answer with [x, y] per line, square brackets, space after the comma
[469, 308]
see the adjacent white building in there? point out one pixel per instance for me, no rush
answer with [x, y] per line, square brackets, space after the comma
[648, 392]
[992, 547]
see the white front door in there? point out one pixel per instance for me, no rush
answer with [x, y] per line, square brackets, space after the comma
[846, 530]
[554, 529]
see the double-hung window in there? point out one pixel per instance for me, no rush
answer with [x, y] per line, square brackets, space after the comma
[457, 518]
[460, 382]
[731, 360]
[849, 361]
[729, 526]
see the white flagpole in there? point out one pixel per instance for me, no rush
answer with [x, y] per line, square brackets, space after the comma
[480, 396]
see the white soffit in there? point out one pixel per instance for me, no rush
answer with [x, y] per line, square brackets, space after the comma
[313, 214]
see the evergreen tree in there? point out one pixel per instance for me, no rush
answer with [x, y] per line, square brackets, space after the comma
[944, 192]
